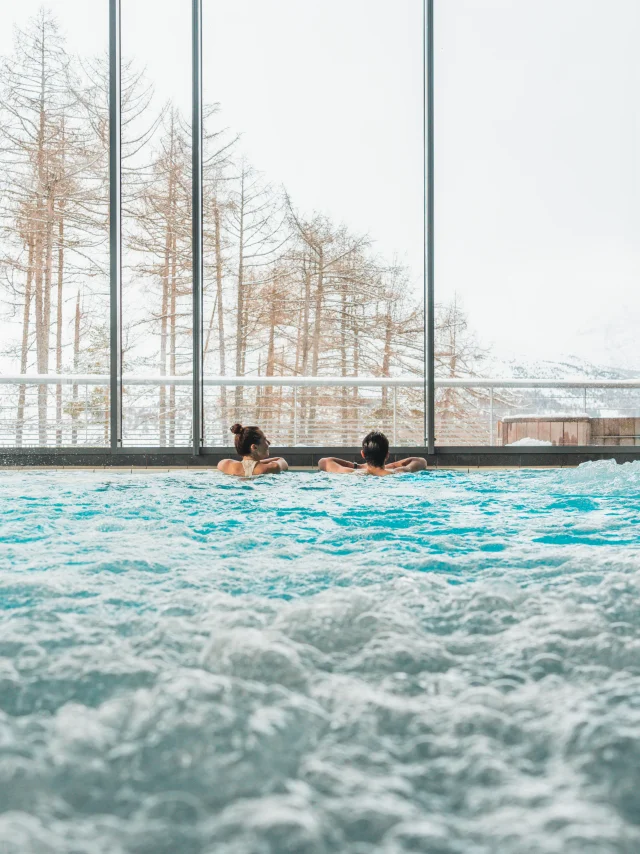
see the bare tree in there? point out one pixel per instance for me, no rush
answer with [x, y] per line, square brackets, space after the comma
[285, 293]
[35, 98]
[159, 236]
[54, 193]
[457, 355]
[218, 178]
[256, 226]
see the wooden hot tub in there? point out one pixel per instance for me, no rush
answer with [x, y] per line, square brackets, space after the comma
[570, 429]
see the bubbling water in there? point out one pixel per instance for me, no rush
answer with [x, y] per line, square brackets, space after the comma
[438, 663]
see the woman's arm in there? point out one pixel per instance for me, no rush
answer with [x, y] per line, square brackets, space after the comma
[274, 465]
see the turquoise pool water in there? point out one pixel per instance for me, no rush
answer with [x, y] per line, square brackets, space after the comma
[438, 663]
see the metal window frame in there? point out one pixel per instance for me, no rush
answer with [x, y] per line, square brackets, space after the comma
[469, 458]
[429, 223]
[115, 229]
[197, 402]
[199, 455]
[115, 225]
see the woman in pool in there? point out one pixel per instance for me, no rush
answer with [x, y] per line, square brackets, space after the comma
[253, 446]
[375, 453]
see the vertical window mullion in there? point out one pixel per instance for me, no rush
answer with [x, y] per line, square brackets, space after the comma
[197, 223]
[429, 230]
[115, 226]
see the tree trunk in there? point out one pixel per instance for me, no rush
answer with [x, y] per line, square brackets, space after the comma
[356, 371]
[164, 311]
[221, 339]
[318, 315]
[166, 285]
[245, 332]
[278, 426]
[106, 420]
[59, 320]
[76, 364]
[344, 397]
[240, 342]
[259, 395]
[386, 354]
[305, 320]
[172, 348]
[40, 337]
[42, 330]
[271, 352]
[317, 325]
[304, 412]
[162, 402]
[297, 361]
[25, 344]
[45, 325]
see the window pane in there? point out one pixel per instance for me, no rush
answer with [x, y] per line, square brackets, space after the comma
[54, 264]
[314, 217]
[156, 202]
[537, 208]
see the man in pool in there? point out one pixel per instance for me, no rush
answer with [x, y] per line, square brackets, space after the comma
[375, 453]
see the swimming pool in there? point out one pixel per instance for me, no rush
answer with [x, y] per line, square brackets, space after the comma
[439, 662]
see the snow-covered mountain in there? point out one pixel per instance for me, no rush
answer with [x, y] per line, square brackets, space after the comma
[569, 367]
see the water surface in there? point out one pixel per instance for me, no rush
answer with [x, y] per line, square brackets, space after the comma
[438, 662]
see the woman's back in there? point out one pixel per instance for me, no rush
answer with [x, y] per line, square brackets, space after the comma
[253, 446]
[251, 468]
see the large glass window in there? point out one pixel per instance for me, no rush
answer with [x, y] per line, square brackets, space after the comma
[156, 223]
[537, 212]
[313, 199]
[54, 261]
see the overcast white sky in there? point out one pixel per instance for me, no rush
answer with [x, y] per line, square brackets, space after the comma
[538, 204]
[537, 134]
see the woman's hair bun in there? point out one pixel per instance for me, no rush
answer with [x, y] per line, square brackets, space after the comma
[237, 428]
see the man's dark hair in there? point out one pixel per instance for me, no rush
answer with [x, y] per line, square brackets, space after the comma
[376, 448]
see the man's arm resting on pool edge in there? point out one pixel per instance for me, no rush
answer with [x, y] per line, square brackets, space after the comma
[409, 464]
[336, 466]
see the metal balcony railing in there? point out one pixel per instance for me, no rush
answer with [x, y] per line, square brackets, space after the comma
[294, 410]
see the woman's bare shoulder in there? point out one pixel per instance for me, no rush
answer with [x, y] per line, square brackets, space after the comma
[230, 467]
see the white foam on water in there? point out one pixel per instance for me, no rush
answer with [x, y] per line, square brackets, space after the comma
[444, 663]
